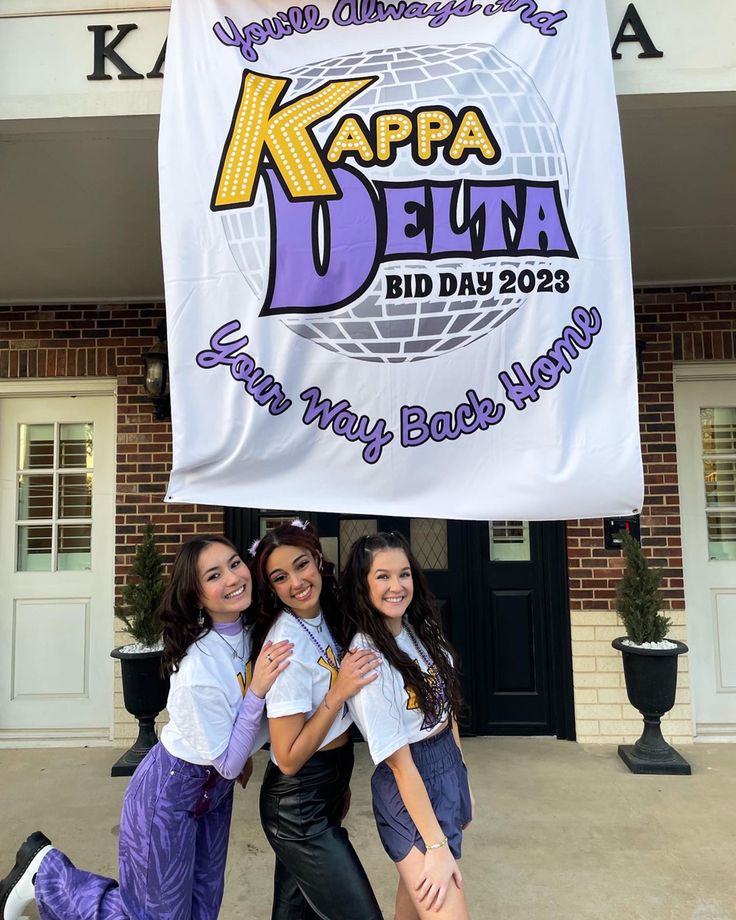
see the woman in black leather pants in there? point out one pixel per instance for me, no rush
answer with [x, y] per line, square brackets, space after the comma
[305, 792]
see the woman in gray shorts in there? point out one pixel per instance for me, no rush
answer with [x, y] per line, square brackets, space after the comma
[421, 797]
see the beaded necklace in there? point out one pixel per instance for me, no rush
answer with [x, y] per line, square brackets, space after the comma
[314, 639]
[319, 647]
[437, 686]
[417, 646]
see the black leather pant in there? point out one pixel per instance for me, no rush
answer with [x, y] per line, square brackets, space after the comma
[318, 874]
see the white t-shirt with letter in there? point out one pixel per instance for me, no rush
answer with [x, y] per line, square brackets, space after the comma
[312, 670]
[386, 713]
[205, 697]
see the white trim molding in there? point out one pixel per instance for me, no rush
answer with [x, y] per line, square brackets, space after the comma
[704, 370]
[715, 732]
[60, 386]
[47, 737]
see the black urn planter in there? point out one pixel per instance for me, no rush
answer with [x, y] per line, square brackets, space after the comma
[144, 693]
[651, 681]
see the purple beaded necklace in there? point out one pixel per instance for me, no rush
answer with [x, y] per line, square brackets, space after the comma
[436, 684]
[318, 645]
[314, 639]
[417, 646]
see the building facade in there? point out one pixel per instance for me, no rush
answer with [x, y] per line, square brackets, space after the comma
[84, 461]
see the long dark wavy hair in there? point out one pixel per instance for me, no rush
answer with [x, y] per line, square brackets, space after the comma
[180, 606]
[268, 605]
[362, 617]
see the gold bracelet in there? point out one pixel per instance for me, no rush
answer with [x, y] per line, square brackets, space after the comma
[436, 846]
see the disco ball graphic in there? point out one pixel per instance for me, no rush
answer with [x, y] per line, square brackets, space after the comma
[373, 328]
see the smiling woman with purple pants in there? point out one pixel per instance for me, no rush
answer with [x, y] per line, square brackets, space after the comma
[176, 812]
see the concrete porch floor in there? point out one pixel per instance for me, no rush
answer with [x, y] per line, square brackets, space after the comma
[563, 830]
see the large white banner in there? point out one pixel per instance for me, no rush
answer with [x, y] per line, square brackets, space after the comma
[397, 259]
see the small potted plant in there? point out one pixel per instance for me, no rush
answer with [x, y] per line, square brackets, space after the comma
[145, 689]
[650, 662]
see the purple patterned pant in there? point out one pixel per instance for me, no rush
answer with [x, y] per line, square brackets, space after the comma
[173, 845]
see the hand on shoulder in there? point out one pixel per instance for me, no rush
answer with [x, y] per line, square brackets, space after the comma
[273, 659]
[358, 668]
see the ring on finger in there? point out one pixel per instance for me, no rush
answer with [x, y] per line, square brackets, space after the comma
[269, 657]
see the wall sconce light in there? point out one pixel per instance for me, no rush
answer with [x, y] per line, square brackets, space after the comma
[640, 347]
[156, 379]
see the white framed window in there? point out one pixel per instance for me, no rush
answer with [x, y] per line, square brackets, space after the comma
[54, 482]
[718, 434]
[509, 541]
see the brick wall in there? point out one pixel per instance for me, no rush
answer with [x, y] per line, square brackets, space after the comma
[107, 341]
[674, 324]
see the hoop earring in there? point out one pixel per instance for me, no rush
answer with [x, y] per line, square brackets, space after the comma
[319, 564]
[200, 618]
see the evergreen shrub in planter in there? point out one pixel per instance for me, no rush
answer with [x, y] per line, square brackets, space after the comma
[145, 689]
[650, 662]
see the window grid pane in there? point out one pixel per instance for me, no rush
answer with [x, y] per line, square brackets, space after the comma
[74, 547]
[36, 447]
[429, 542]
[718, 427]
[722, 537]
[75, 446]
[720, 482]
[269, 521]
[34, 549]
[63, 500]
[35, 497]
[75, 495]
[509, 541]
[718, 430]
[353, 529]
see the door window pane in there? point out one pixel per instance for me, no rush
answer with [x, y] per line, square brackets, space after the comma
[352, 529]
[35, 447]
[722, 537]
[34, 549]
[75, 446]
[720, 482]
[55, 497]
[330, 547]
[269, 521]
[509, 541]
[35, 497]
[718, 429]
[75, 547]
[75, 495]
[429, 542]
